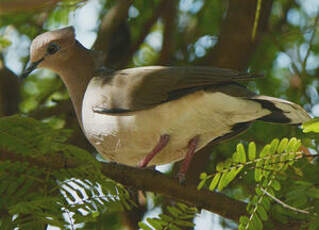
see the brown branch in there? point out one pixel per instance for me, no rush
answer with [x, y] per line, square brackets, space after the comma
[235, 47]
[169, 19]
[113, 30]
[9, 91]
[145, 30]
[148, 180]
[15, 6]
[64, 106]
[151, 180]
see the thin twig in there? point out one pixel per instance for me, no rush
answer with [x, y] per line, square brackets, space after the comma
[284, 204]
[256, 20]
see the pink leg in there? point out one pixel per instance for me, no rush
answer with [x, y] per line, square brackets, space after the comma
[192, 144]
[160, 145]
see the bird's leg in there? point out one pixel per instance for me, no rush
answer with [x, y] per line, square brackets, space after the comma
[192, 144]
[160, 145]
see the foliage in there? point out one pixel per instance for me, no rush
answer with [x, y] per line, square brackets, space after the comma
[269, 168]
[37, 191]
[4, 43]
[176, 218]
[311, 126]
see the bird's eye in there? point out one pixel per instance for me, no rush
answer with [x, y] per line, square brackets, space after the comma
[52, 48]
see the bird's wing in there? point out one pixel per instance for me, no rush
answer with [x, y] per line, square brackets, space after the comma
[141, 88]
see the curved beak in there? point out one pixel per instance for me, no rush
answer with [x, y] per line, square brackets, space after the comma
[30, 68]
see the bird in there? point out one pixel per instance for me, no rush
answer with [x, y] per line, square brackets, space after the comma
[154, 115]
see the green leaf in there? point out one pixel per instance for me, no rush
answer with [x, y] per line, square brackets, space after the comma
[291, 145]
[156, 223]
[283, 145]
[220, 166]
[265, 203]
[222, 182]
[259, 171]
[298, 171]
[174, 211]
[4, 43]
[273, 146]
[201, 184]
[144, 226]
[244, 220]
[166, 218]
[172, 227]
[252, 151]
[241, 153]
[214, 182]
[262, 213]
[311, 126]
[203, 176]
[276, 185]
[256, 223]
[182, 206]
[228, 177]
[265, 151]
[184, 223]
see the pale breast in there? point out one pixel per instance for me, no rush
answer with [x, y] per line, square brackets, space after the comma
[128, 139]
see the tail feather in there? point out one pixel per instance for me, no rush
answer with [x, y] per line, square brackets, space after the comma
[282, 111]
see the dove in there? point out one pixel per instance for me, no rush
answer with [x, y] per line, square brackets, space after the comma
[154, 115]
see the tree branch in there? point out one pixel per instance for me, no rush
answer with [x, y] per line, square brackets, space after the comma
[148, 180]
[9, 91]
[64, 106]
[169, 19]
[15, 6]
[114, 33]
[235, 45]
[145, 30]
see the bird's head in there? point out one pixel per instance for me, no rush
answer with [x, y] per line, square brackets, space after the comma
[50, 48]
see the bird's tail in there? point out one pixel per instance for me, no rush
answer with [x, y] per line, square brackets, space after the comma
[282, 111]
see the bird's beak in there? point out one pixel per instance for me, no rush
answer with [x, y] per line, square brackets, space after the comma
[30, 68]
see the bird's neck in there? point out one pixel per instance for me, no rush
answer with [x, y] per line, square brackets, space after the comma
[80, 69]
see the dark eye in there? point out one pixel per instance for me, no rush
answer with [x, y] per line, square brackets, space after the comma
[52, 48]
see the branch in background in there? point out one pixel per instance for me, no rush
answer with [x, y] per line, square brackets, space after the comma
[169, 19]
[64, 106]
[151, 180]
[234, 47]
[146, 180]
[9, 92]
[15, 6]
[113, 38]
[145, 30]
